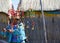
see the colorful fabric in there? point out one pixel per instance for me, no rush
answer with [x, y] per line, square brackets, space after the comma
[18, 34]
[22, 31]
[11, 36]
[8, 34]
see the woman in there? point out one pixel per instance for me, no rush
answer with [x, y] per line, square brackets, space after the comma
[10, 29]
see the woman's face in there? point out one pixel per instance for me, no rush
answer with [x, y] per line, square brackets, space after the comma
[14, 22]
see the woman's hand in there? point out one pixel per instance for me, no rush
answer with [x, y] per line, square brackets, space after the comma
[4, 29]
[10, 30]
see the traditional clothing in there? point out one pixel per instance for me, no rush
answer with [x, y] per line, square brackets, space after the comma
[22, 35]
[10, 35]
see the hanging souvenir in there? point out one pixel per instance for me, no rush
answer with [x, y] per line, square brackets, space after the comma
[33, 23]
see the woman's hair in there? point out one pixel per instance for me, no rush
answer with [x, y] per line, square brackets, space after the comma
[14, 21]
[10, 20]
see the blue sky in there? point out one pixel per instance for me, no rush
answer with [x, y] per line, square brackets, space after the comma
[15, 3]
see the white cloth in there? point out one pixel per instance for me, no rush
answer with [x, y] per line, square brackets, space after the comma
[35, 4]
